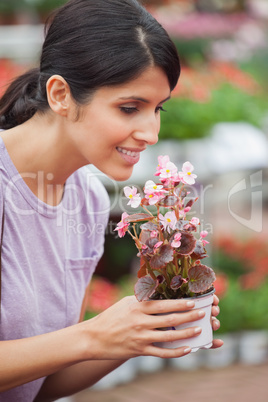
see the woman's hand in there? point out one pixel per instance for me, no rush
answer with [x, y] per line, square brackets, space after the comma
[217, 343]
[128, 329]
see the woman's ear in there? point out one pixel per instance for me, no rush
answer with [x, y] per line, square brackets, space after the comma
[59, 95]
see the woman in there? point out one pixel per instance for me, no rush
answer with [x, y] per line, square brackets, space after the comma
[106, 69]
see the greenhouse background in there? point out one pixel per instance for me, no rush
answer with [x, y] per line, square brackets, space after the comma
[218, 120]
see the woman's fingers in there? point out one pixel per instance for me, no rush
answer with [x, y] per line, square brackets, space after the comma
[217, 343]
[164, 353]
[176, 335]
[175, 319]
[215, 323]
[165, 306]
[215, 311]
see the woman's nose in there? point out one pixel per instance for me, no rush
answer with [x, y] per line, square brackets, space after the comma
[148, 132]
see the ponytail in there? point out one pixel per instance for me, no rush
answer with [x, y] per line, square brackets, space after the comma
[22, 100]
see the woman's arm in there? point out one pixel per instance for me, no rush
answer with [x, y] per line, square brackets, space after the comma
[75, 378]
[25, 360]
[83, 375]
[125, 330]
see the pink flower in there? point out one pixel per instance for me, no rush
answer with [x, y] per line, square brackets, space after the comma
[168, 221]
[133, 196]
[162, 161]
[204, 234]
[194, 221]
[187, 176]
[158, 244]
[154, 233]
[150, 187]
[153, 192]
[182, 214]
[176, 242]
[170, 171]
[122, 226]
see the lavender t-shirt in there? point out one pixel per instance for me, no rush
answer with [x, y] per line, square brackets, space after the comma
[48, 256]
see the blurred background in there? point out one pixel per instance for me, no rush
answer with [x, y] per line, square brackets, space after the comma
[218, 120]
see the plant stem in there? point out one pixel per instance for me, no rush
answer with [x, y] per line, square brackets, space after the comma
[147, 210]
[149, 269]
[185, 267]
[176, 265]
[159, 227]
[166, 277]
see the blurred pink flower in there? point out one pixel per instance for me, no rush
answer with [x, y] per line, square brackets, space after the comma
[122, 226]
[187, 176]
[176, 242]
[162, 161]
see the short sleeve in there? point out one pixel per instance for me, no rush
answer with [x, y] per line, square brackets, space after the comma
[1, 197]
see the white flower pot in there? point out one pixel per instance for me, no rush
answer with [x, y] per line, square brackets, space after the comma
[202, 341]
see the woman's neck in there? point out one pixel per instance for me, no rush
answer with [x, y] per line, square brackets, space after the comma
[39, 154]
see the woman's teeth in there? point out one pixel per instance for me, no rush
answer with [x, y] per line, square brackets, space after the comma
[130, 153]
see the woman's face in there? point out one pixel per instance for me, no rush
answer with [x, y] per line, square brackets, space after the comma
[120, 122]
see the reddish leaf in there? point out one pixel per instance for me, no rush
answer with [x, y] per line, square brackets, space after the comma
[160, 278]
[144, 235]
[169, 201]
[149, 226]
[142, 271]
[163, 257]
[139, 217]
[176, 282]
[180, 193]
[199, 251]
[188, 242]
[191, 202]
[201, 278]
[145, 288]
[184, 225]
[150, 243]
[145, 202]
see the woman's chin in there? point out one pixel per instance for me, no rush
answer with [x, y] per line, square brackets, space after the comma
[123, 175]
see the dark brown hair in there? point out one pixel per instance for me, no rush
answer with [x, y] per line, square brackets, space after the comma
[91, 44]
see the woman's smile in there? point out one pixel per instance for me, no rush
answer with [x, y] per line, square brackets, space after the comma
[130, 156]
[120, 122]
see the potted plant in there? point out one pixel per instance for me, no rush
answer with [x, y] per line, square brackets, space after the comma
[170, 253]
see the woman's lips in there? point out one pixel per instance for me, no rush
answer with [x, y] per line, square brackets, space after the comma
[131, 157]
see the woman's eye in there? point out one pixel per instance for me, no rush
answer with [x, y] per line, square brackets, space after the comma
[160, 109]
[129, 109]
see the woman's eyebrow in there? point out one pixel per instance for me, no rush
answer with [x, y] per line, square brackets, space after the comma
[141, 99]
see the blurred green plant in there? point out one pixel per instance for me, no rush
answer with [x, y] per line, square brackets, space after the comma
[186, 118]
[243, 309]
[12, 7]
[192, 51]
[243, 264]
